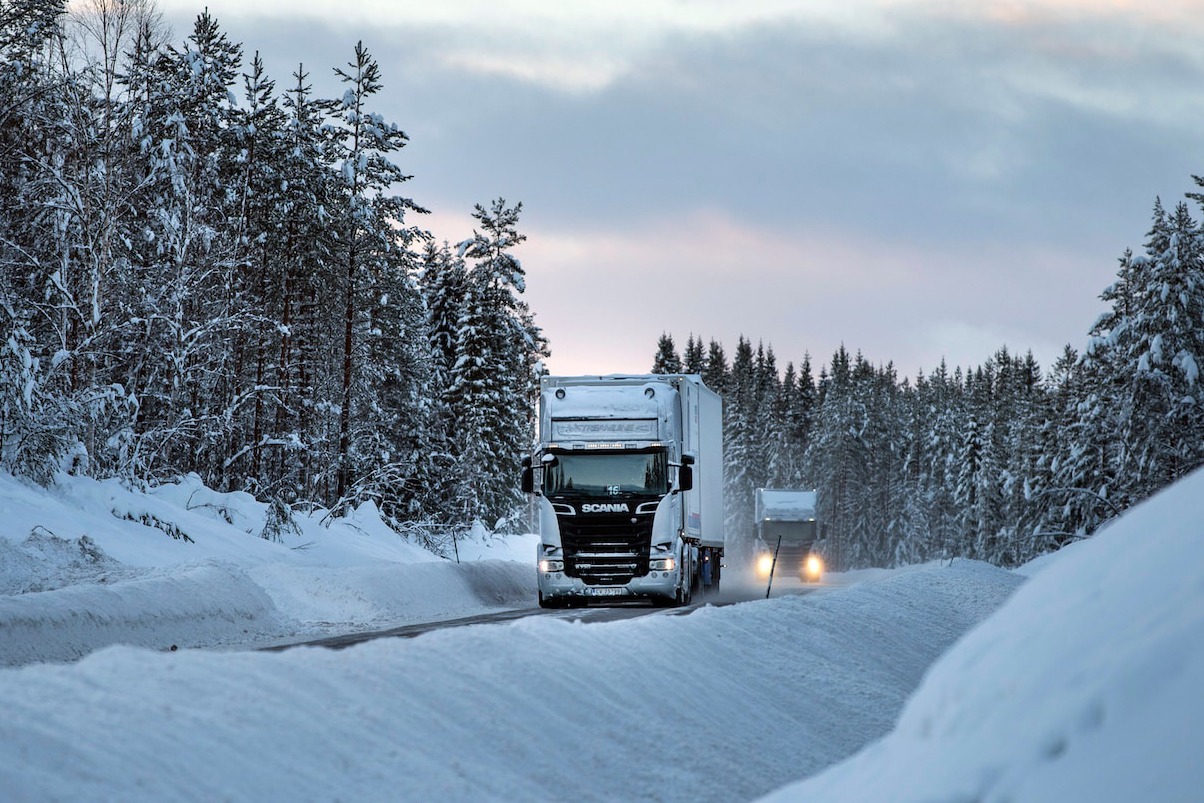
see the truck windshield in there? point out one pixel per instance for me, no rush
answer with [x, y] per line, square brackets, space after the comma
[607, 474]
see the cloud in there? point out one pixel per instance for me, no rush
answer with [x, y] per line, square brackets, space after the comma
[876, 173]
[604, 300]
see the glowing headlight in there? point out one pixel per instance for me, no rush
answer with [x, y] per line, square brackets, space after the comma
[662, 565]
[765, 565]
[814, 567]
[551, 566]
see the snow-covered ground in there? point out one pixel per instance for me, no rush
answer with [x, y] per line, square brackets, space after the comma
[1083, 682]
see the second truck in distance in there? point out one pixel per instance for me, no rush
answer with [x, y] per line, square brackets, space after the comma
[787, 530]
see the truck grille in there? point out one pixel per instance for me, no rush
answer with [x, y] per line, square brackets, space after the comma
[606, 548]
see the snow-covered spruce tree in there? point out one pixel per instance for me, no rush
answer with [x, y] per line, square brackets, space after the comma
[1138, 423]
[666, 360]
[693, 359]
[1067, 449]
[444, 281]
[884, 436]
[767, 421]
[978, 492]
[499, 352]
[1161, 419]
[739, 451]
[1024, 414]
[379, 298]
[786, 471]
[911, 543]
[1086, 474]
[715, 371]
[834, 457]
[791, 431]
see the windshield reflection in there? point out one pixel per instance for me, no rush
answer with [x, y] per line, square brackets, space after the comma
[607, 474]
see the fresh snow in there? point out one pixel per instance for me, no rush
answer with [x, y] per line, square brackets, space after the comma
[1076, 678]
[1087, 685]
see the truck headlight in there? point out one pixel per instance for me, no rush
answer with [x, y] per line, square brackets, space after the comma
[764, 565]
[548, 565]
[662, 565]
[814, 567]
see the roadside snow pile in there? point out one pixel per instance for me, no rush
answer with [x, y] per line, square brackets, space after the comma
[206, 604]
[45, 562]
[1087, 685]
[87, 564]
[722, 704]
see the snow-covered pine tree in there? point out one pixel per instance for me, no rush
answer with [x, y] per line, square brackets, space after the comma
[257, 138]
[185, 316]
[308, 373]
[375, 282]
[59, 188]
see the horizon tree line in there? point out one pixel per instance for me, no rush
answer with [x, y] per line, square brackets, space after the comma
[999, 462]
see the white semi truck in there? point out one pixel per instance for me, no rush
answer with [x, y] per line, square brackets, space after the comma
[627, 476]
[787, 529]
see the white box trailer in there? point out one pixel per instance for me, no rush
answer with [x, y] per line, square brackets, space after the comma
[628, 479]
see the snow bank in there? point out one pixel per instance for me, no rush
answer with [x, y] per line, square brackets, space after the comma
[205, 605]
[88, 564]
[537, 709]
[1087, 685]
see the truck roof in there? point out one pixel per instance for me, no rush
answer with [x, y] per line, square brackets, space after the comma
[788, 504]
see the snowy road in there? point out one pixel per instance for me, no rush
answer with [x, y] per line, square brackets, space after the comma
[724, 703]
[588, 615]
[1085, 684]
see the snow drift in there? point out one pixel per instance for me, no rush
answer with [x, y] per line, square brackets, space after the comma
[1087, 685]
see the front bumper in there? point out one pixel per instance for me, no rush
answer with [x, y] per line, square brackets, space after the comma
[558, 585]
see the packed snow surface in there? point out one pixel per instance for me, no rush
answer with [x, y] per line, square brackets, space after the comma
[1081, 682]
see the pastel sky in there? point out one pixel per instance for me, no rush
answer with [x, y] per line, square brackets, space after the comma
[916, 180]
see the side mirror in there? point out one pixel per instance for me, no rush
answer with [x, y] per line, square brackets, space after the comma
[528, 480]
[685, 476]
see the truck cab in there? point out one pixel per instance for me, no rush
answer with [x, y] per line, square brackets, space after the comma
[613, 476]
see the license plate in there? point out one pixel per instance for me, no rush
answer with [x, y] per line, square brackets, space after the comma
[609, 591]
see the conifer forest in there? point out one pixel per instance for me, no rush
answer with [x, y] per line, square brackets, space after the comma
[207, 270]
